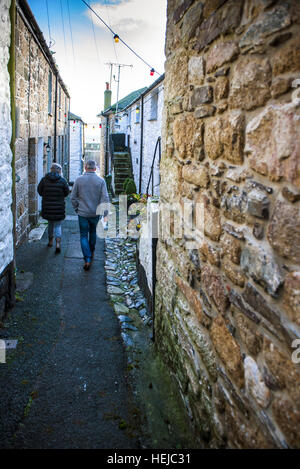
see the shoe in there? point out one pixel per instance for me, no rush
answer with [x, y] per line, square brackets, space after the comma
[50, 244]
[93, 255]
[57, 250]
[87, 266]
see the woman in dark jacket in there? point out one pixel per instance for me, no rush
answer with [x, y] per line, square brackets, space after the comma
[53, 189]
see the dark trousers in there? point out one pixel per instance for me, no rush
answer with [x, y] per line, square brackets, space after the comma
[87, 227]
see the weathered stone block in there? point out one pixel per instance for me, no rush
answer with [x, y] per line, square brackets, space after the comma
[271, 22]
[223, 21]
[284, 230]
[235, 206]
[201, 95]
[203, 346]
[249, 335]
[210, 254]
[291, 195]
[233, 137]
[283, 370]
[258, 203]
[262, 267]
[214, 287]
[243, 433]
[288, 418]
[191, 21]
[221, 89]
[238, 302]
[183, 134]
[255, 385]
[174, 81]
[206, 110]
[231, 247]
[220, 54]
[224, 137]
[181, 10]
[212, 138]
[228, 350]
[287, 59]
[280, 86]
[171, 178]
[233, 272]
[191, 296]
[196, 174]
[291, 296]
[196, 70]
[272, 143]
[250, 84]
[212, 222]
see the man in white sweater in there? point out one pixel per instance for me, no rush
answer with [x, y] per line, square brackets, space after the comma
[88, 192]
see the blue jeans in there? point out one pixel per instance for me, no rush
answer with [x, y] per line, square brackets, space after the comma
[87, 227]
[54, 229]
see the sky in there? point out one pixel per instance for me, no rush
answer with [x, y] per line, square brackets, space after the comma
[83, 46]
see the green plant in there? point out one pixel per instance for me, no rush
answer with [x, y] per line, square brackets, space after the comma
[125, 183]
[130, 187]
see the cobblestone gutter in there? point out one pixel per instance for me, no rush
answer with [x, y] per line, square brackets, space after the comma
[163, 417]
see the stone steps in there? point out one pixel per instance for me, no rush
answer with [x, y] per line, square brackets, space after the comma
[122, 168]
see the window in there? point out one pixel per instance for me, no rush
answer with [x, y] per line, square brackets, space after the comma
[50, 93]
[154, 105]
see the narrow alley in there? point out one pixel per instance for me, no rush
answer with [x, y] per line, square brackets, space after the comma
[65, 384]
[184, 331]
[70, 381]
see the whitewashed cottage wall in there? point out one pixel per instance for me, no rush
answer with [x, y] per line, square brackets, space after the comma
[6, 218]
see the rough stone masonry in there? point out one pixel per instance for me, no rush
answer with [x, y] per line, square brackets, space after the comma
[228, 309]
[6, 218]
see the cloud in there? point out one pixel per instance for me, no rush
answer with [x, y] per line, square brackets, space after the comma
[131, 15]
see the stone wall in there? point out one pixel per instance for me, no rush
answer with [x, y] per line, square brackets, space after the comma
[227, 295]
[35, 122]
[6, 218]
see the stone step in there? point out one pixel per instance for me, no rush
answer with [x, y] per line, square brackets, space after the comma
[121, 177]
[121, 163]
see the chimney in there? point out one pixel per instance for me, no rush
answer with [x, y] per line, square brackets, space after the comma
[107, 97]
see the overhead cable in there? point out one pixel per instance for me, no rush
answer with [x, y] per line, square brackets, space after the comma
[120, 39]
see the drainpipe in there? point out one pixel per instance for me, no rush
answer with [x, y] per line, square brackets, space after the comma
[83, 143]
[12, 73]
[142, 143]
[55, 119]
[106, 146]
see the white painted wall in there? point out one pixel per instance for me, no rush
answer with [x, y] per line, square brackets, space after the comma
[130, 125]
[6, 218]
[149, 230]
[76, 135]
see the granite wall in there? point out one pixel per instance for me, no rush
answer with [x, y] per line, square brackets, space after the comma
[227, 313]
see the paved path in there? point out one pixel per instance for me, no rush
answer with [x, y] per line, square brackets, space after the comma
[65, 385]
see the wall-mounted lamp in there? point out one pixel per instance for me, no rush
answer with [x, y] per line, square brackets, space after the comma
[116, 38]
[137, 110]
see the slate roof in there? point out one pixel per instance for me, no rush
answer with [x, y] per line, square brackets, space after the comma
[125, 102]
[73, 117]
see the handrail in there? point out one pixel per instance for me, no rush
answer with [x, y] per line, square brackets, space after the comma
[158, 144]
